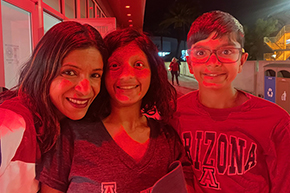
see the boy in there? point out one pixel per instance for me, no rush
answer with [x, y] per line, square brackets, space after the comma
[237, 142]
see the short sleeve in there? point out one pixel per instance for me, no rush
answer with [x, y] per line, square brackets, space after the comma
[17, 152]
[12, 127]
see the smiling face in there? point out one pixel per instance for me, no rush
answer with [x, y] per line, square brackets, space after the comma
[128, 77]
[214, 74]
[78, 83]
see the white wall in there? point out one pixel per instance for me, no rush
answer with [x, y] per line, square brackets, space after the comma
[245, 80]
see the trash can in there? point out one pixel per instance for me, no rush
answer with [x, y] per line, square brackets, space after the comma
[270, 85]
[283, 89]
[277, 84]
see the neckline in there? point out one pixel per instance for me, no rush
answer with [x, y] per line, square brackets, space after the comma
[125, 158]
[223, 114]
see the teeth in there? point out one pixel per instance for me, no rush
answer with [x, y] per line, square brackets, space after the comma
[77, 101]
[127, 87]
[213, 75]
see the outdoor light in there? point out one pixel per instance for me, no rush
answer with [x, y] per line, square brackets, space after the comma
[129, 14]
[127, 6]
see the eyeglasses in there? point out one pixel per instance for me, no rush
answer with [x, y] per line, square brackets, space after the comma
[223, 54]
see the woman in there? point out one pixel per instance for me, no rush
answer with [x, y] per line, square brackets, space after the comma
[126, 151]
[61, 79]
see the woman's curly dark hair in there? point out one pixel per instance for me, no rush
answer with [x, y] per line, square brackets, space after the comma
[161, 96]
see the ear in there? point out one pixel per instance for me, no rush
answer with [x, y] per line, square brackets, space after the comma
[189, 64]
[243, 60]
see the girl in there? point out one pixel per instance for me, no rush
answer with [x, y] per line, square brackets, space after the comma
[61, 79]
[126, 151]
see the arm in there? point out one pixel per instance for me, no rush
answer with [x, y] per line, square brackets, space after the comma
[279, 167]
[170, 66]
[18, 152]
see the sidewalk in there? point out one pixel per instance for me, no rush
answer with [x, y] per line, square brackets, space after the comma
[187, 84]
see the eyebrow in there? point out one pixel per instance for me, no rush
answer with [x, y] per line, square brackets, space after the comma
[223, 45]
[71, 65]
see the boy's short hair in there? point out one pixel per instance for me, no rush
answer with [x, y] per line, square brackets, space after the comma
[215, 21]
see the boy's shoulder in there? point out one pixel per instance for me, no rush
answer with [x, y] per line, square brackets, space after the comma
[264, 105]
[188, 103]
[191, 96]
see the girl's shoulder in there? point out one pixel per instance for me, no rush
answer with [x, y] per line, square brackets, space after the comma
[160, 127]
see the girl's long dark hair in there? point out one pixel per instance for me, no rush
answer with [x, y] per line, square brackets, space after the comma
[161, 96]
[41, 69]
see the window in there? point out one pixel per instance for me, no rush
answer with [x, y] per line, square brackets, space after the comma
[49, 21]
[17, 41]
[91, 9]
[83, 8]
[70, 8]
[99, 14]
[55, 4]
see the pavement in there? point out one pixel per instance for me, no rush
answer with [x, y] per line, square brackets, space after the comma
[186, 84]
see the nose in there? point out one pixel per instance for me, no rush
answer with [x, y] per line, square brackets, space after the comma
[128, 71]
[213, 60]
[83, 87]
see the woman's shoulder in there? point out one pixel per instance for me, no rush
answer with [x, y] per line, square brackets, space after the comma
[14, 112]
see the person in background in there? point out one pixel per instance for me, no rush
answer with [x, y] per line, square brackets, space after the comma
[124, 150]
[174, 69]
[61, 79]
[237, 142]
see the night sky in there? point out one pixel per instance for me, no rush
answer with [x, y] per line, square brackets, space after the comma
[246, 11]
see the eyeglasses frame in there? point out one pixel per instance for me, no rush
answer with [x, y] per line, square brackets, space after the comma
[241, 50]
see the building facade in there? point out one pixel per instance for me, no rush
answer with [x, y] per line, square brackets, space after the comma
[23, 23]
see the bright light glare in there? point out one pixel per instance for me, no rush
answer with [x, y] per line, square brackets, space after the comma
[184, 54]
[162, 54]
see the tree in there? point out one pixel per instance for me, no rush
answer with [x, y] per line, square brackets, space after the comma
[254, 35]
[180, 17]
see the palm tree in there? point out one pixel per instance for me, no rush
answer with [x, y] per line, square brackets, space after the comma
[180, 17]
